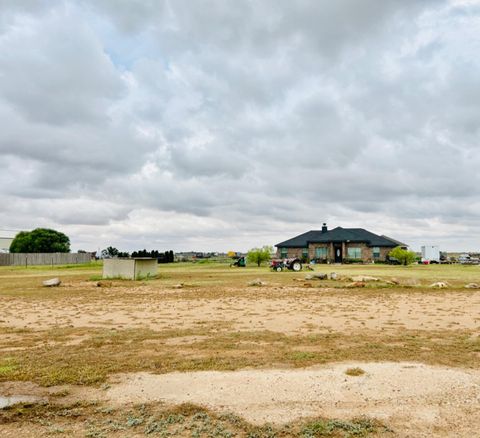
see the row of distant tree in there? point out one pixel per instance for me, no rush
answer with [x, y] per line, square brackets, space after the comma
[44, 240]
[162, 257]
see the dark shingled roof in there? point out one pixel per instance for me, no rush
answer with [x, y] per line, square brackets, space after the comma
[337, 235]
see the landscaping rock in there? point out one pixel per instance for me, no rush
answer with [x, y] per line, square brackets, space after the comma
[356, 284]
[317, 276]
[257, 282]
[53, 282]
[439, 284]
[333, 276]
[178, 286]
[104, 284]
[472, 286]
[411, 282]
[364, 278]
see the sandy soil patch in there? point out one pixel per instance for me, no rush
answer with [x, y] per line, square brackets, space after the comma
[413, 398]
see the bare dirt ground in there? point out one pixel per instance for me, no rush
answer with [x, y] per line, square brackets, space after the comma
[272, 354]
[429, 397]
[413, 399]
[275, 307]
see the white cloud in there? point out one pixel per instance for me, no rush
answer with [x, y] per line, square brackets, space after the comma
[225, 125]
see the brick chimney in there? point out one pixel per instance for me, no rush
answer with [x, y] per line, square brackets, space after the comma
[324, 228]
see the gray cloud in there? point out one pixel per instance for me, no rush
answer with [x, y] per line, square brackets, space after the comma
[214, 125]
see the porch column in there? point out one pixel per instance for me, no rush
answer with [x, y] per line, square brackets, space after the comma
[344, 255]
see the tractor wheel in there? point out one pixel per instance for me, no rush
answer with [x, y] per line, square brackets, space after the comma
[297, 266]
[278, 269]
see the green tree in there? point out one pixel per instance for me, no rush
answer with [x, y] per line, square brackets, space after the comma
[40, 240]
[259, 255]
[403, 256]
[110, 252]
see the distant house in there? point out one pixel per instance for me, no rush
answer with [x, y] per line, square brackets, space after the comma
[6, 239]
[338, 245]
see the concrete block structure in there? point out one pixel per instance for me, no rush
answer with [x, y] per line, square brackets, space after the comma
[130, 269]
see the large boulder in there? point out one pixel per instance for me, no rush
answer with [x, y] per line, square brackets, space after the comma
[356, 284]
[439, 284]
[257, 282]
[103, 283]
[364, 278]
[53, 282]
[316, 276]
[407, 282]
[472, 286]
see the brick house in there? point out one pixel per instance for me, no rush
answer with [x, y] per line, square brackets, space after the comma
[338, 245]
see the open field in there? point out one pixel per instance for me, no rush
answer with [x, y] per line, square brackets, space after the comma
[311, 358]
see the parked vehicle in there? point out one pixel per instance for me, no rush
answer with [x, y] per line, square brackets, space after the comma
[468, 259]
[393, 261]
[292, 264]
[240, 262]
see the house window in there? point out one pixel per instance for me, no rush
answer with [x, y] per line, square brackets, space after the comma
[305, 253]
[354, 253]
[320, 253]
[283, 253]
[376, 252]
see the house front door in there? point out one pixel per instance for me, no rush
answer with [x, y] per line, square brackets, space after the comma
[337, 252]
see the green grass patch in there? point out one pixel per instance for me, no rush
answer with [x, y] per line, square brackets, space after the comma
[7, 367]
[189, 420]
[362, 427]
[302, 356]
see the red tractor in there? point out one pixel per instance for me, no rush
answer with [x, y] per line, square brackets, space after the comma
[292, 264]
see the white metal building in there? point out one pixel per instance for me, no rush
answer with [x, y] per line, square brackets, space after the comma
[6, 239]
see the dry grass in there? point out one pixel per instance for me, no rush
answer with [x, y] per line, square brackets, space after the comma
[82, 334]
[354, 372]
[64, 351]
[47, 358]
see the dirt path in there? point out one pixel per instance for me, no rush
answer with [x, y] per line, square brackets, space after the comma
[414, 399]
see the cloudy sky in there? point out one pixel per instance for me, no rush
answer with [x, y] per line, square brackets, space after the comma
[228, 124]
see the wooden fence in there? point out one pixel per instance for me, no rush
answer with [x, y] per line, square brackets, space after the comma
[54, 258]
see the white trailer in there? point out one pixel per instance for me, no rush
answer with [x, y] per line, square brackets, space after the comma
[430, 254]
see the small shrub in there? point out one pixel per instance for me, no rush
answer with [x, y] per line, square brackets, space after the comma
[352, 261]
[354, 371]
[357, 427]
